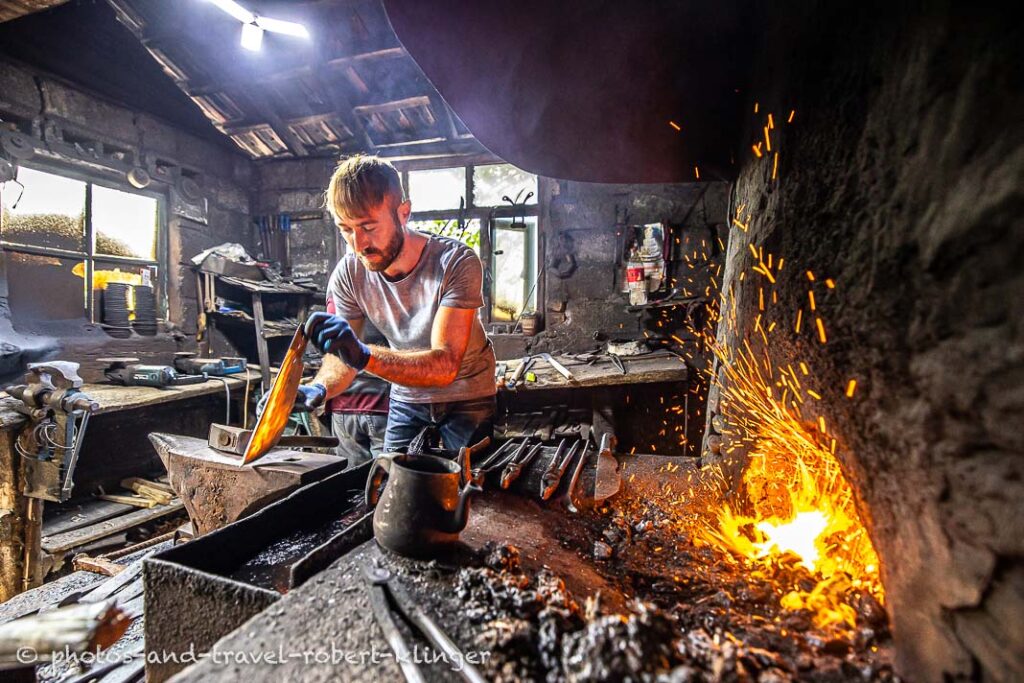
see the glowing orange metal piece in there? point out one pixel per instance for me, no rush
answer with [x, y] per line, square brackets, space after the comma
[271, 422]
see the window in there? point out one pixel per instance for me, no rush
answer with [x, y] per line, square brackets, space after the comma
[68, 237]
[477, 198]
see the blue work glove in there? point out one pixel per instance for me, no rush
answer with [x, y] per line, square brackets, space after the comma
[308, 398]
[332, 334]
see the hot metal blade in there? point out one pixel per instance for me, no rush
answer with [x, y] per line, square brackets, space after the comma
[271, 422]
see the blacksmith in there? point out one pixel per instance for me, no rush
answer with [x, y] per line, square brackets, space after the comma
[422, 292]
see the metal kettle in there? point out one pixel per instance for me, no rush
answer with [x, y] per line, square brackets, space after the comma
[425, 503]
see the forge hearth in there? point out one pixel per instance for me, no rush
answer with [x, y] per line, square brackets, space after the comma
[530, 592]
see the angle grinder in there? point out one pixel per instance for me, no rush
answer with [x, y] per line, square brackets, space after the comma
[188, 363]
[130, 373]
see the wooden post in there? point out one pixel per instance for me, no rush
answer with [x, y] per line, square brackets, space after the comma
[21, 518]
[32, 574]
[261, 340]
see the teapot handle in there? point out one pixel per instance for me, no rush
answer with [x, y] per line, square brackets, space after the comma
[380, 467]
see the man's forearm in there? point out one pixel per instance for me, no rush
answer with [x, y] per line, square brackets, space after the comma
[334, 375]
[433, 368]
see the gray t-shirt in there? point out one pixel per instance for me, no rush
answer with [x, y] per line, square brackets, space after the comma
[448, 274]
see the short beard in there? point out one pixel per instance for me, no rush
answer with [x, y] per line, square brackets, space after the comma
[391, 250]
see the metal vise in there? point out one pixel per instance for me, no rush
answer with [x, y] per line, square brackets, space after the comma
[58, 414]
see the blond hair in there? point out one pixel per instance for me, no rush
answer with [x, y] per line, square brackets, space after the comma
[361, 183]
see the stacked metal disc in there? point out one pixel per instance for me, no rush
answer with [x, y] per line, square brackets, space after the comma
[145, 311]
[115, 310]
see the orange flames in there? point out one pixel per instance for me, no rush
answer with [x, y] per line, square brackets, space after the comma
[796, 500]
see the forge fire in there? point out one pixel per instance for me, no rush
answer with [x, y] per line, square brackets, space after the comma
[573, 342]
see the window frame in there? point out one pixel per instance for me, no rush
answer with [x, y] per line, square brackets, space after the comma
[488, 216]
[89, 256]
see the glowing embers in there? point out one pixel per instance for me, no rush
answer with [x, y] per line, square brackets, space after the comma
[799, 536]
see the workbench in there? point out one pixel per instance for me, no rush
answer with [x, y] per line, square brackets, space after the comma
[115, 398]
[115, 447]
[645, 369]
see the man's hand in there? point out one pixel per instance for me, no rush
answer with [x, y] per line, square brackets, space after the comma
[332, 334]
[308, 398]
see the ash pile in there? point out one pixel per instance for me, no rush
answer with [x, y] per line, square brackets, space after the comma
[692, 615]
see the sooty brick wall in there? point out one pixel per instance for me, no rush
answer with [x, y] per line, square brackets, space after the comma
[902, 178]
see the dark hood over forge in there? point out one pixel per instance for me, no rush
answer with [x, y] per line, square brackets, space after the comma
[589, 91]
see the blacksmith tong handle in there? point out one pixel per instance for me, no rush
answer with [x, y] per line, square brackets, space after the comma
[385, 592]
[552, 477]
[515, 467]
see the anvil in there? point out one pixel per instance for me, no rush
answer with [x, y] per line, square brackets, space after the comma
[216, 488]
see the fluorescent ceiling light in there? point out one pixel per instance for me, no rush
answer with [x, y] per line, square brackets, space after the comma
[235, 10]
[288, 28]
[252, 22]
[252, 37]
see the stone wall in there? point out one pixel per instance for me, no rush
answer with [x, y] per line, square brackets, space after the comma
[588, 213]
[295, 186]
[47, 108]
[902, 178]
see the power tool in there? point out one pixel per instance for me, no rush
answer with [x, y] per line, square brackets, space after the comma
[187, 363]
[130, 373]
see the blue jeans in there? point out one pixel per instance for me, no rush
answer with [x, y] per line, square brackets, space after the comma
[360, 436]
[461, 423]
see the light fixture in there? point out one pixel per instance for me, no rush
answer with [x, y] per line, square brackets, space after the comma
[252, 37]
[253, 25]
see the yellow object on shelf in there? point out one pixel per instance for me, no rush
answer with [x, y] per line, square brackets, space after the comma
[100, 278]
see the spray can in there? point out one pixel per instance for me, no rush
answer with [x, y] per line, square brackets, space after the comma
[635, 278]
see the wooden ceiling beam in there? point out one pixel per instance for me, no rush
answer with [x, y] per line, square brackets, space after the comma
[336, 64]
[342, 105]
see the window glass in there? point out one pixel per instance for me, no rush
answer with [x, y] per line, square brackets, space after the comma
[63, 281]
[49, 212]
[513, 262]
[437, 189]
[124, 223]
[469, 234]
[494, 181]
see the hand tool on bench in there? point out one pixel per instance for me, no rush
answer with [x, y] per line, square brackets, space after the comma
[130, 373]
[617, 362]
[188, 363]
[559, 368]
[567, 499]
[271, 422]
[515, 466]
[493, 458]
[465, 459]
[606, 479]
[235, 440]
[552, 477]
[387, 593]
[517, 376]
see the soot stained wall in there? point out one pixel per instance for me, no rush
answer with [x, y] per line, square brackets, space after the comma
[587, 212]
[34, 101]
[297, 186]
[902, 177]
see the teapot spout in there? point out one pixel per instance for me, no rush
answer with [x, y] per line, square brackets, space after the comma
[461, 516]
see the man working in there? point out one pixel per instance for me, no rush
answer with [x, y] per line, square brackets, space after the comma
[422, 292]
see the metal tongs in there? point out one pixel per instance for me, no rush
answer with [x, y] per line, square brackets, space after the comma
[552, 476]
[515, 466]
[388, 596]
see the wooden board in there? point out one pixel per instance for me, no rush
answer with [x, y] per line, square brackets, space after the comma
[647, 369]
[69, 516]
[62, 542]
[114, 398]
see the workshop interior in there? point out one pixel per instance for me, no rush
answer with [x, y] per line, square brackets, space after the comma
[747, 278]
